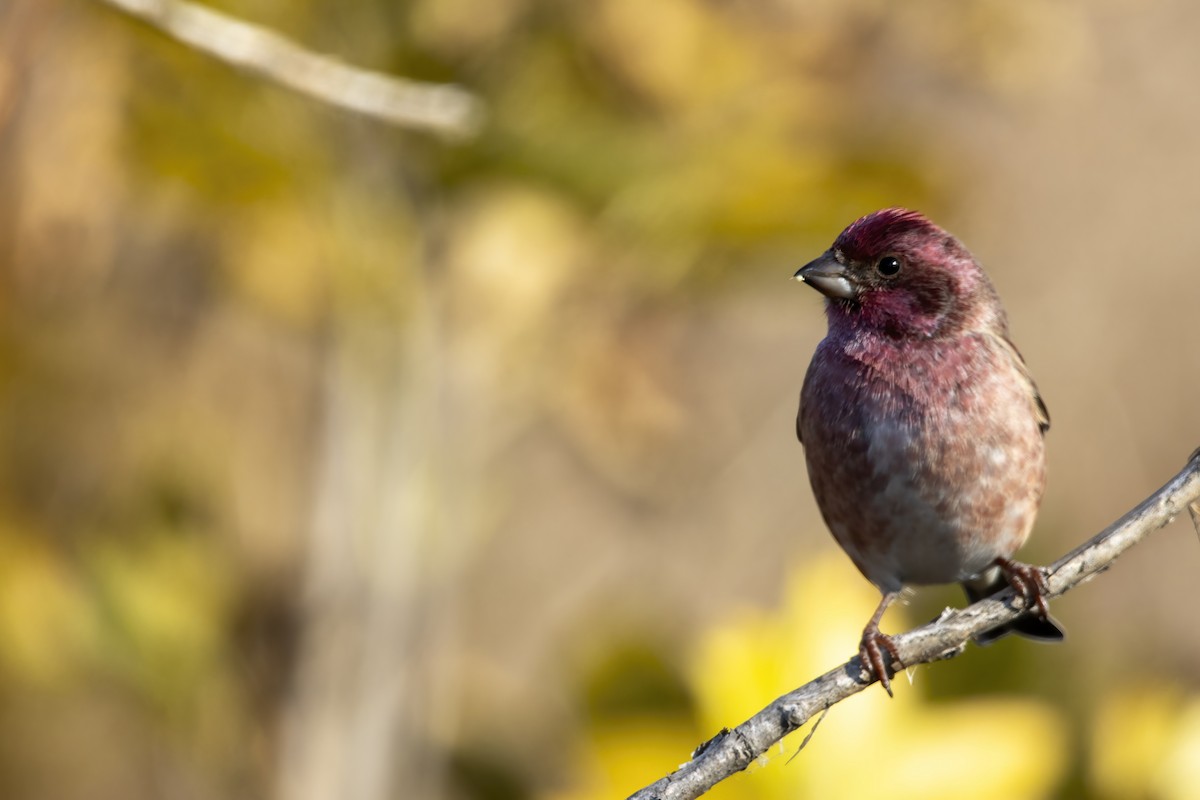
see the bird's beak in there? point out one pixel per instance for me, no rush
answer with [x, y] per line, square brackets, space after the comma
[828, 276]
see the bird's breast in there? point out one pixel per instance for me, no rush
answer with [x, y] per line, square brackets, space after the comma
[926, 461]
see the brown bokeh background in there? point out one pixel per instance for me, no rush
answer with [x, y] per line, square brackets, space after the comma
[342, 461]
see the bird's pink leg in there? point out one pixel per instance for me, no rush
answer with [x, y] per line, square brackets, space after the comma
[875, 642]
[1029, 582]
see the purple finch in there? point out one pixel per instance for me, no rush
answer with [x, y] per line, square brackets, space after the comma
[921, 425]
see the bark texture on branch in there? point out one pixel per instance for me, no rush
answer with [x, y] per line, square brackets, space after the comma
[731, 751]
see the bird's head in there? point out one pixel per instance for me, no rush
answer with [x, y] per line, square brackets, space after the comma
[897, 273]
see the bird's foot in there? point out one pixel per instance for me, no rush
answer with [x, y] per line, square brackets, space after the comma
[870, 652]
[1029, 582]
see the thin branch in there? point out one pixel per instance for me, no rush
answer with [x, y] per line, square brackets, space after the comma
[732, 751]
[441, 108]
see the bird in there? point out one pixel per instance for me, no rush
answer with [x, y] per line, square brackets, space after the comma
[922, 427]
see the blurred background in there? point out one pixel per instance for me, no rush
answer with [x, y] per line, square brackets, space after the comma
[346, 459]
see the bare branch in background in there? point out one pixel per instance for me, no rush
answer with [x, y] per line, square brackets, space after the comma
[355, 723]
[443, 109]
[730, 752]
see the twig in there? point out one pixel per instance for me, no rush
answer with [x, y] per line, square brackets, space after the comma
[441, 108]
[733, 751]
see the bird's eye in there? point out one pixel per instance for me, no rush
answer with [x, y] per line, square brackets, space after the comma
[888, 266]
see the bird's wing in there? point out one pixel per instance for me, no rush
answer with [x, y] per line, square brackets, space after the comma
[1043, 416]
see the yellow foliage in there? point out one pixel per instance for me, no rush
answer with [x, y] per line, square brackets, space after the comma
[675, 52]
[279, 262]
[46, 622]
[461, 26]
[926, 750]
[618, 758]
[1146, 743]
[998, 747]
[513, 251]
[165, 599]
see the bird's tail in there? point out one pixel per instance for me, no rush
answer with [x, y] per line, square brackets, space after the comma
[1031, 624]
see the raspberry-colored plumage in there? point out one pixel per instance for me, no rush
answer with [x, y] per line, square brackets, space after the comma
[922, 428]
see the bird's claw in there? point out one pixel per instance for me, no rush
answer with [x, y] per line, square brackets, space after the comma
[870, 653]
[1029, 582]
